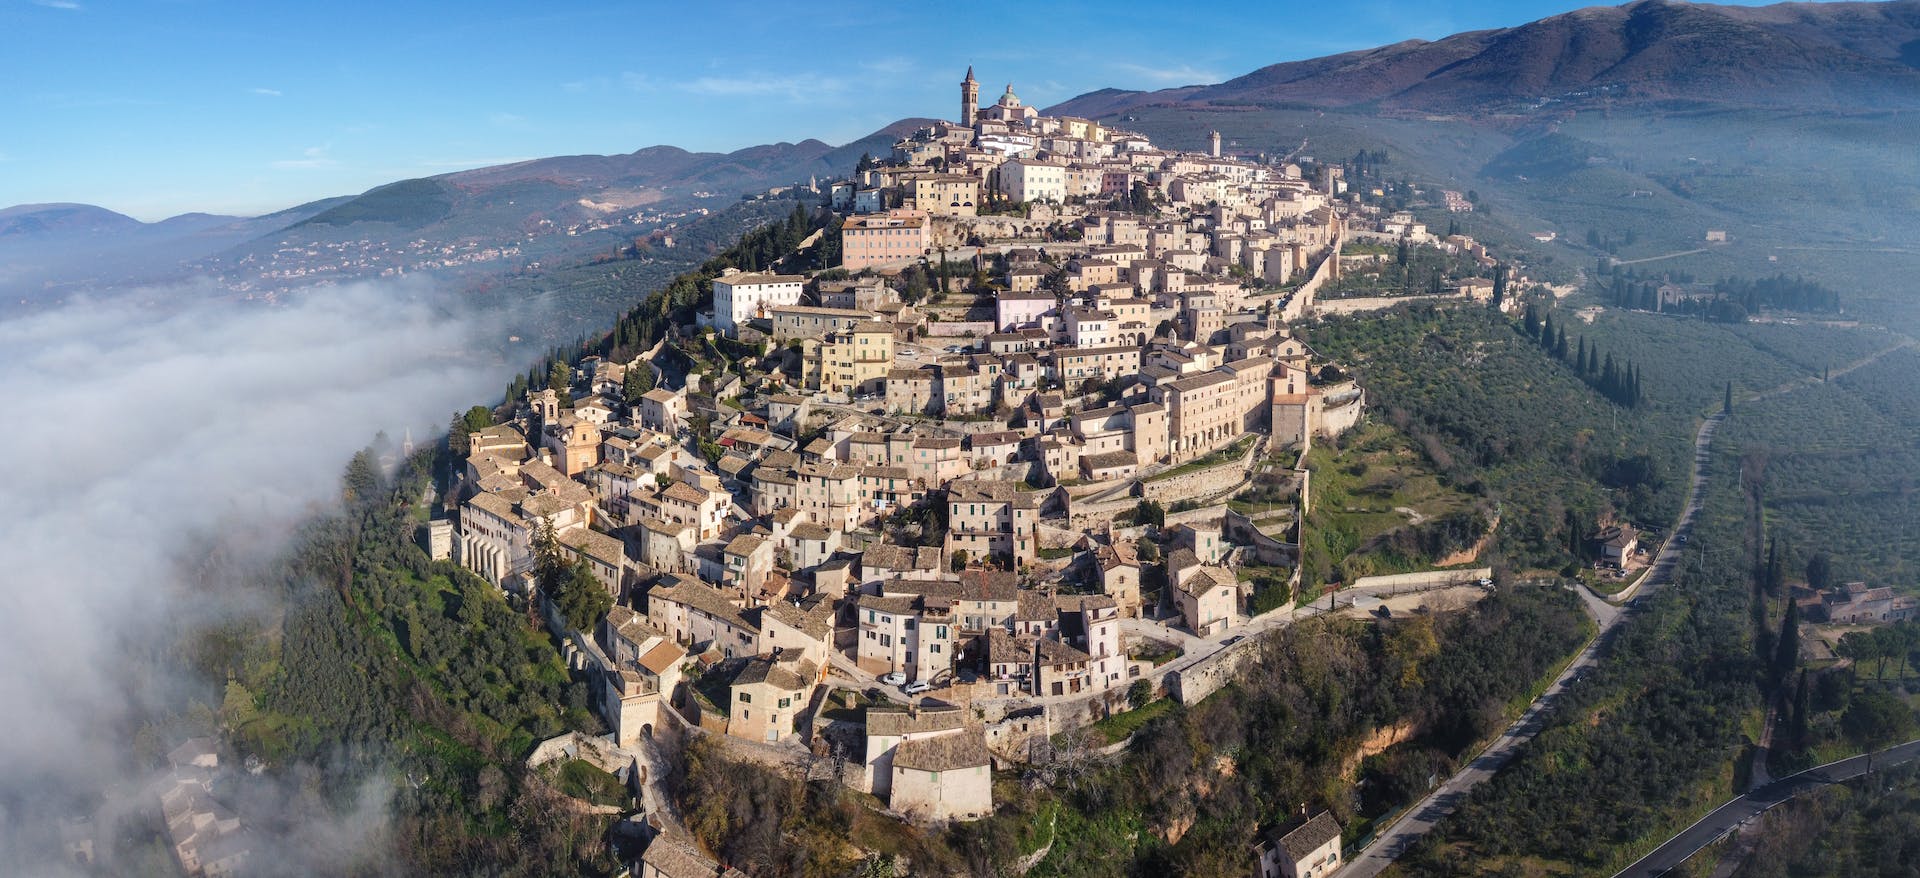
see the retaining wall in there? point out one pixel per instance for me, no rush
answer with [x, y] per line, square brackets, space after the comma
[1195, 682]
[1425, 579]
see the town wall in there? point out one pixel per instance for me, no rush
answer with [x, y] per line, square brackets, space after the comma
[1302, 302]
[1200, 484]
[1425, 579]
[1265, 549]
[958, 328]
[1195, 682]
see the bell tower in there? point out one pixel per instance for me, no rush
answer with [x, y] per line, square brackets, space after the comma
[969, 98]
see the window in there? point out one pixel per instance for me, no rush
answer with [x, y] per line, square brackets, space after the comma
[746, 698]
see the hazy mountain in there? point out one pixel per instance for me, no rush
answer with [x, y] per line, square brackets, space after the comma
[1840, 55]
[546, 211]
[46, 249]
[584, 187]
[49, 220]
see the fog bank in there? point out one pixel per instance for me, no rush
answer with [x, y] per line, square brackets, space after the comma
[146, 428]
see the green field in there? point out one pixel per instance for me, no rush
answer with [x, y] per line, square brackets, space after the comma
[1380, 507]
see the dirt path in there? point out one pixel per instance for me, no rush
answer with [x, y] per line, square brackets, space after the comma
[1660, 257]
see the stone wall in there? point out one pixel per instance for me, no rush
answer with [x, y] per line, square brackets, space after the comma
[1195, 682]
[1365, 304]
[957, 328]
[1339, 408]
[1210, 515]
[1425, 579]
[1265, 549]
[1084, 515]
[1200, 484]
[1302, 302]
[1011, 727]
[1052, 537]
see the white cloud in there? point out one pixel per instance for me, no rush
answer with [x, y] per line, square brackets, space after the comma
[193, 433]
[473, 163]
[68, 5]
[311, 158]
[1185, 74]
[265, 92]
[895, 66]
[507, 120]
[793, 88]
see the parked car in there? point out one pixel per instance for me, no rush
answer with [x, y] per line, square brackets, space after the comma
[894, 679]
[918, 686]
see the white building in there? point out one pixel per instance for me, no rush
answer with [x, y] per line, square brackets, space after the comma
[1028, 180]
[740, 297]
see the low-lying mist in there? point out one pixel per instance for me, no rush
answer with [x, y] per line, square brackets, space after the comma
[145, 432]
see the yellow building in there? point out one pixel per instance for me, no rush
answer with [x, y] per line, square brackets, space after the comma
[947, 194]
[854, 360]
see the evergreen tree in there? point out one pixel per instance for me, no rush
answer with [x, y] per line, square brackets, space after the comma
[1786, 653]
[1531, 321]
[581, 599]
[1727, 406]
[1819, 571]
[638, 380]
[1560, 345]
[1580, 359]
[1797, 715]
[472, 420]
[362, 482]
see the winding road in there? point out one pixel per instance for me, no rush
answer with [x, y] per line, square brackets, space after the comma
[1421, 818]
[1424, 815]
[1731, 816]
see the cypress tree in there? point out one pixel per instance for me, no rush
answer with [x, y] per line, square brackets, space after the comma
[1580, 359]
[1727, 407]
[1786, 653]
[1797, 726]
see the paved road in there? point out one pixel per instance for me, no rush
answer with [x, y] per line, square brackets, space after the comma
[1730, 816]
[1421, 818]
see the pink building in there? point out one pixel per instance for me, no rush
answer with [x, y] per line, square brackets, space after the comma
[871, 240]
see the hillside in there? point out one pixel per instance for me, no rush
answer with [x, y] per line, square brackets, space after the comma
[1851, 55]
[1788, 127]
[481, 224]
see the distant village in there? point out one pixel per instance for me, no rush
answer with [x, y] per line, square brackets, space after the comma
[905, 540]
[911, 539]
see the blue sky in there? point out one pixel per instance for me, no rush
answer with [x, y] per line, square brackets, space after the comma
[166, 106]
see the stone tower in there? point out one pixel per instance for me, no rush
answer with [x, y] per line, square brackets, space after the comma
[969, 98]
[1213, 144]
[545, 405]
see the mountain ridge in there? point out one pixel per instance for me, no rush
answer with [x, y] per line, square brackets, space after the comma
[1850, 54]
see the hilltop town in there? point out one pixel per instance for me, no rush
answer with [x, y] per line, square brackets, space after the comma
[964, 487]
